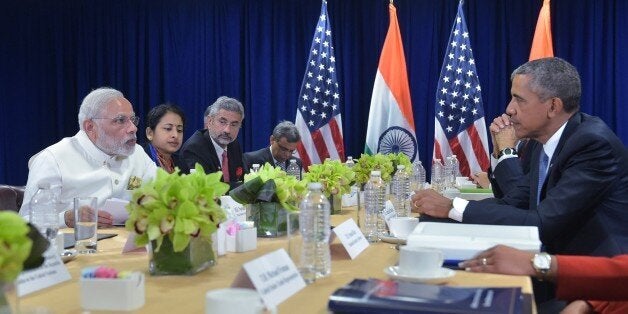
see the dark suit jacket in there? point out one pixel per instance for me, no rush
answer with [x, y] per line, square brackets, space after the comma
[178, 162]
[502, 184]
[200, 148]
[263, 156]
[584, 200]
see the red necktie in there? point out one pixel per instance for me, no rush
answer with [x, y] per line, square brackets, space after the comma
[225, 166]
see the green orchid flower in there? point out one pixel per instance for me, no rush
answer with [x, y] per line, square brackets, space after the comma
[179, 206]
[334, 176]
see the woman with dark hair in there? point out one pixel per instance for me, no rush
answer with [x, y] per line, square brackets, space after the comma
[164, 131]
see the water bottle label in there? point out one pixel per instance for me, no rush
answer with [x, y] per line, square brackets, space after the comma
[389, 211]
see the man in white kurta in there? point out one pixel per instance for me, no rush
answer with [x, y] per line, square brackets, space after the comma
[100, 160]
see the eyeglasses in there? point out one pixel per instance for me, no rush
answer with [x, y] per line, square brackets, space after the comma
[224, 123]
[285, 150]
[122, 120]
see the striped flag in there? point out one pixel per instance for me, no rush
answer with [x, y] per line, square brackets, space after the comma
[391, 123]
[459, 127]
[542, 42]
[318, 112]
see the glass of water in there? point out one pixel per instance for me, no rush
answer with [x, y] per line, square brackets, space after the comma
[85, 224]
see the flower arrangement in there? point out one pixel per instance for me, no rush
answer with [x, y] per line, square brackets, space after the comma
[21, 246]
[269, 193]
[400, 159]
[270, 184]
[335, 177]
[179, 207]
[368, 163]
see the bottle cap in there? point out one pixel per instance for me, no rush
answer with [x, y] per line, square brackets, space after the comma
[43, 185]
[314, 185]
[376, 173]
[401, 167]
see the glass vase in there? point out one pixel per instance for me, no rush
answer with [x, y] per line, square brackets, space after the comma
[9, 301]
[269, 218]
[336, 203]
[196, 257]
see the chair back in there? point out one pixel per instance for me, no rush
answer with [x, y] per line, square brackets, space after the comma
[11, 197]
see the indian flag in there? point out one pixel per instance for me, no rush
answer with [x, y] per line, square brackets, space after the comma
[542, 42]
[391, 123]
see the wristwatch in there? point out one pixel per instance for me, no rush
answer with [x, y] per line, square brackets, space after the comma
[541, 263]
[508, 151]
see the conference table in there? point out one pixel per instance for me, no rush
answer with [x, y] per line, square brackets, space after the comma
[186, 294]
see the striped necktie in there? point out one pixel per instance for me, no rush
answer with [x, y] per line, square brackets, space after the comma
[543, 160]
[225, 166]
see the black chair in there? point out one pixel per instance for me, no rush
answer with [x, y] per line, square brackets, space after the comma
[11, 197]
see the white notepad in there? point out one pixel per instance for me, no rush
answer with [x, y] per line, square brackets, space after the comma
[463, 241]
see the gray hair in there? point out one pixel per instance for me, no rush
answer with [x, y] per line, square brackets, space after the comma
[225, 103]
[94, 103]
[288, 130]
[553, 77]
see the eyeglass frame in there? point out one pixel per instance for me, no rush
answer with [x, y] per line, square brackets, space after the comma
[121, 120]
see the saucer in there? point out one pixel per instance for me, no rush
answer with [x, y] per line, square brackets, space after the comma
[68, 255]
[389, 238]
[440, 276]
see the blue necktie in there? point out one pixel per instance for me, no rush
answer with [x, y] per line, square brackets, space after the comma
[543, 160]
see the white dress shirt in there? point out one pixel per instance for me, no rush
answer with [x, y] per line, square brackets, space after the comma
[79, 168]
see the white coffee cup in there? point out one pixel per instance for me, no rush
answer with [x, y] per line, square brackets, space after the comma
[401, 227]
[233, 301]
[415, 260]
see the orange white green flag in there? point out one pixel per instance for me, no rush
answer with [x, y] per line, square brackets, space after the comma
[391, 123]
[542, 46]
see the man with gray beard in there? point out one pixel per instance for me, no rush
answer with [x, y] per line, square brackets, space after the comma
[102, 160]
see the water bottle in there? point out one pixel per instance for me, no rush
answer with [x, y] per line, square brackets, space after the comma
[417, 181]
[254, 168]
[43, 211]
[456, 166]
[437, 175]
[400, 190]
[294, 169]
[350, 163]
[315, 230]
[374, 194]
[448, 171]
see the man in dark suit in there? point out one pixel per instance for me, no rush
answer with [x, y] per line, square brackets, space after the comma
[283, 143]
[577, 188]
[217, 144]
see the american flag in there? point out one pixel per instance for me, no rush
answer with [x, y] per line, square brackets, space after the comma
[459, 127]
[318, 112]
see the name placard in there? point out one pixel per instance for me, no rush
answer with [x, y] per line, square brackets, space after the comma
[274, 276]
[351, 238]
[235, 211]
[52, 272]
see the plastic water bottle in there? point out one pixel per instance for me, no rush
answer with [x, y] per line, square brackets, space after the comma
[315, 230]
[294, 169]
[437, 175]
[417, 181]
[456, 166]
[350, 162]
[400, 190]
[43, 211]
[374, 193]
[254, 168]
[448, 172]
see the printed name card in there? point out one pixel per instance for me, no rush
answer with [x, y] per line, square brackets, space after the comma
[235, 211]
[351, 238]
[389, 211]
[274, 276]
[52, 272]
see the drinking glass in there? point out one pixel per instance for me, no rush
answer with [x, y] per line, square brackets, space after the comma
[85, 225]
